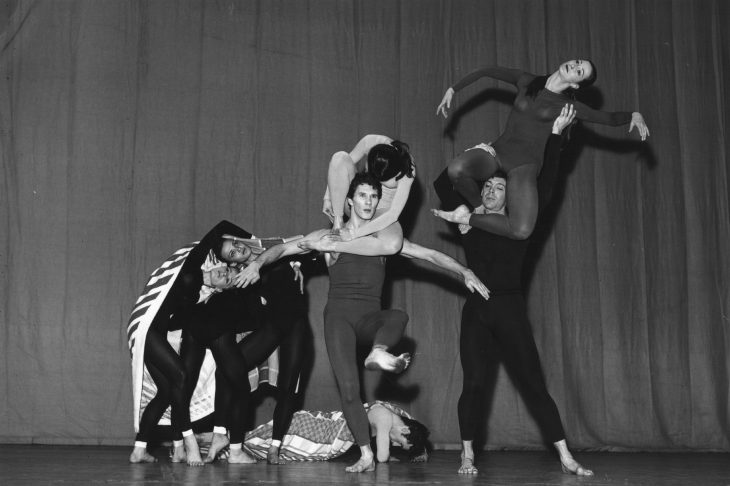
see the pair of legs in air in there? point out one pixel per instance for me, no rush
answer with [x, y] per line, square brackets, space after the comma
[349, 323]
[494, 329]
[478, 164]
[170, 377]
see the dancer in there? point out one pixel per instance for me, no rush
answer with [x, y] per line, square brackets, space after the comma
[519, 149]
[353, 313]
[171, 292]
[391, 163]
[320, 436]
[500, 326]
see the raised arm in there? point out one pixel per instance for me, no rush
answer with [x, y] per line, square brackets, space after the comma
[365, 144]
[507, 75]
[392, 214]
[441, 260]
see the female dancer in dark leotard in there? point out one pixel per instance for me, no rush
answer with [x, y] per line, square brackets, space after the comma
[499, 328]
[519, 149]
[353, 313]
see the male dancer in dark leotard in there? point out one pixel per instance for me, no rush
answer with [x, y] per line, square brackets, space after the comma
[353, 313]
[499, 327]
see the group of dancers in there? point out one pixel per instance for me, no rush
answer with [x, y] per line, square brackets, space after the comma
[225, 284]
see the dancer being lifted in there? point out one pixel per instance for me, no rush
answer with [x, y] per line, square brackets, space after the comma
[353, 313]
[519, 149]
[500, 327]
[391, 163]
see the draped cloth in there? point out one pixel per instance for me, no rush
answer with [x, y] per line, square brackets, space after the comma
[143, 313]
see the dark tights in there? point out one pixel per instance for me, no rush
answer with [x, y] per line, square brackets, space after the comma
[168, 373]
[494, 328]
[348, 323]
[470, 168]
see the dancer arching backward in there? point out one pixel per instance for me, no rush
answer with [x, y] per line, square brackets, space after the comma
[500, 326]
[519, 149]
[391, 163]
[278, 322]
[172, 291]
[353, 313]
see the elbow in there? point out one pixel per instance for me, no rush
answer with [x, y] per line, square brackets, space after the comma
[521, 232]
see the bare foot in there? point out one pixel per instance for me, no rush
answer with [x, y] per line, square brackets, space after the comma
[178, 454]
[217, 444]
[365, 464]
[380, 359]
[467, 464]
[192, 451]
[571, 466]
[459, 215]
[238, 456]
[272, 457]
[140, 454]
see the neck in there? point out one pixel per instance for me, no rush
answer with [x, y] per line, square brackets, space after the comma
[555, 83]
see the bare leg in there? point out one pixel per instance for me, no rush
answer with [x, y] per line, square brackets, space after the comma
[467, 458]
[366, 463]
[217, 444]
[568, 463]
[340, 173]
[140, 455]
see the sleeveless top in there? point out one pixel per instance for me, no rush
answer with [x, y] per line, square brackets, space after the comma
[357, 277]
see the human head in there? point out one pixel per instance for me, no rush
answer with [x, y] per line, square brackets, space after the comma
[390, 160]
[411, 437]
[494, 193]
[221, 277]
[579, 73]
[363, 196]
[234, 251]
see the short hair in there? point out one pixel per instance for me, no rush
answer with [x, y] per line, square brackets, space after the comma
[417, 436]
[364, 178]
[388, 160]
[498, 173]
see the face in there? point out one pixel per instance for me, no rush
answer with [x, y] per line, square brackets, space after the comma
[494, 194]
[576, 70]
[235, 251]
[364, 201]
[397, 438]
[222, 277]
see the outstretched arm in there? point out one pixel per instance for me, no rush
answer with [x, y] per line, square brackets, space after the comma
[365, 246]
[412, 250]
[614, 119]
[511, 76]
[250, 274]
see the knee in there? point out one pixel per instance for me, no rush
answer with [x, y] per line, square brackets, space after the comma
[401, 316]
[341, 162]
[457, 169]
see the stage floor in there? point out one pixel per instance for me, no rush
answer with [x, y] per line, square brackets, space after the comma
[67, 465]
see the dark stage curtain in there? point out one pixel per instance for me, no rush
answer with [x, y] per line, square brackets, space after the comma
[129, 128]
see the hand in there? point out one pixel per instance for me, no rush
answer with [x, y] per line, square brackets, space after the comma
[638, 121]
[423, 457]
[298, 275]
[324, 244]
[474, 284]
[445, 102]
[464, 228]
[327, 209]
[566, 117]
[345, 234]
[247, 276]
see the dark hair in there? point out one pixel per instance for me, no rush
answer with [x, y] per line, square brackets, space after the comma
[364, 178]
[538, 83]
[388, 160]
[498, 173]
[417, 436]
